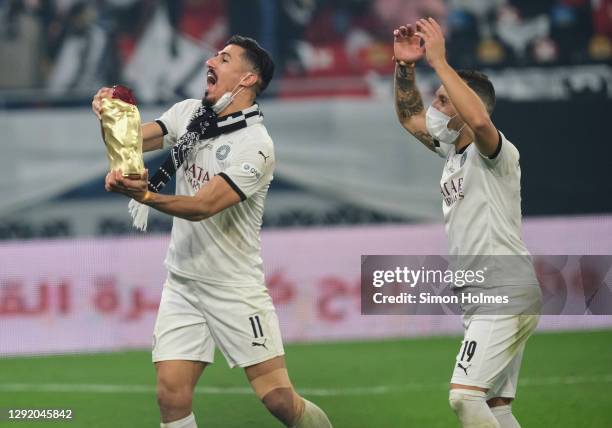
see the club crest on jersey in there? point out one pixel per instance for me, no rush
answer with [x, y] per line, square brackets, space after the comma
[223, 152]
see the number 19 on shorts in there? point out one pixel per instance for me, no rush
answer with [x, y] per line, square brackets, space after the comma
[467, 350]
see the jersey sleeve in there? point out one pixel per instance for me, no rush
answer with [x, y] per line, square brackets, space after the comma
[506, 157]
[170, 123]
[250, 168]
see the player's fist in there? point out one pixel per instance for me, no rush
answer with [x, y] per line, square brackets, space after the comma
[96, 104]
[407, 45]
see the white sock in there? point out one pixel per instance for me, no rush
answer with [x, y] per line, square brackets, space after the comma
[471, 408]
[186, 422]
[313, 417]
[504, 416]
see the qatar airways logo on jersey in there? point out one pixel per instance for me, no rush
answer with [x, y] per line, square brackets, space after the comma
[195, 175]
[452, 191]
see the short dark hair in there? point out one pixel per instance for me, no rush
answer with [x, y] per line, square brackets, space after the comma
[258, 57]
[480, 83]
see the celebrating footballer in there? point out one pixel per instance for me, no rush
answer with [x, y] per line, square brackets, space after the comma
[480, 188]
[215, 294]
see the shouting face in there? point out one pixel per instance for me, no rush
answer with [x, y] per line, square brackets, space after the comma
[226, 72]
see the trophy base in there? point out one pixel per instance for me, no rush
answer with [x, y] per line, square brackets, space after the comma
[132, 175]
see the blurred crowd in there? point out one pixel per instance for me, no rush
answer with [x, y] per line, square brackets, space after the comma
[64, 45]
[530, 32]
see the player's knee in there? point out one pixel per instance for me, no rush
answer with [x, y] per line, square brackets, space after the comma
[281, 402]
[172, 396]
[274, 389]
[499, 401]
[471, 409]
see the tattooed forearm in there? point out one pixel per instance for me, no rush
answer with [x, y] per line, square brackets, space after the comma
[407, 98]
[408, 103]
[425, 138]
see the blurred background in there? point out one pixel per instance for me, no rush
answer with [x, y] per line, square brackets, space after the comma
[76, 278]
[343, 159]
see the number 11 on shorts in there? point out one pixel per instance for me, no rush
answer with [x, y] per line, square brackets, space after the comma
[256, 325]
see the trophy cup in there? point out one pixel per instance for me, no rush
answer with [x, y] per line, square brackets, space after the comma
[122, 133]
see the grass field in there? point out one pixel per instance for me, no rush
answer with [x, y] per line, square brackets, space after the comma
[566, 381]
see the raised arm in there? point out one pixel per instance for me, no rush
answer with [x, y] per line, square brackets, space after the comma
[152, 133]
[152, 137]
[467, 103]
[408, 102]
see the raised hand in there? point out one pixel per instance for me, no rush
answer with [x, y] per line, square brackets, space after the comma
[96, 104]
[431, 33]
[407, 45]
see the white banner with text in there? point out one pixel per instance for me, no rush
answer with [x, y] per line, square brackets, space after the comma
[102, 294]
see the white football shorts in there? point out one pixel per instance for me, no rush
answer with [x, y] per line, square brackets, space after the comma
[194, 317]
[491, 352]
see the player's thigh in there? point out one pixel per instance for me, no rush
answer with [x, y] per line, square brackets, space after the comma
[243, 323]
[489, 348]
[265, 367]
[181, 331]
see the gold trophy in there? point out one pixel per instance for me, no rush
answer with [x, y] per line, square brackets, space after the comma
[122, 133]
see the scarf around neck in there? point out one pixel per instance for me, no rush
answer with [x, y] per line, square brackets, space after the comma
[204, 124]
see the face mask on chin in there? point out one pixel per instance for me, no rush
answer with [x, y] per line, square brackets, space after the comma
[227, 98]
[437, 126]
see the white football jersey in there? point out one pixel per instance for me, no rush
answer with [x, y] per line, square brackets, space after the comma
[224, 249]
[481, 201]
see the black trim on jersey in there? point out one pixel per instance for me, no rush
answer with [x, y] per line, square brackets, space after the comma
[162, 125]
[233, 185]
[463, 149]
[498, 149]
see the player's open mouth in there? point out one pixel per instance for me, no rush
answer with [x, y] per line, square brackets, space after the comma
[211, 77]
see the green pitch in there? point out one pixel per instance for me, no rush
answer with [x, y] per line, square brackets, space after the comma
[566, 381]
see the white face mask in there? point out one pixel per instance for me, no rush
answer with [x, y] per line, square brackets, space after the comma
[227, 98]
[437, 126]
